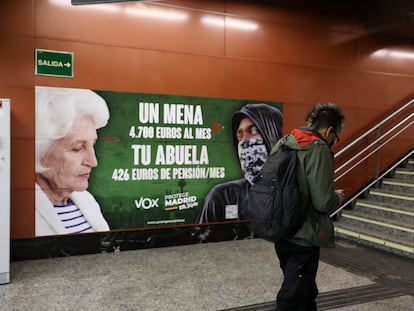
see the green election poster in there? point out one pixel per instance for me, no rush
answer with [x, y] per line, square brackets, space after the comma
[158, 156]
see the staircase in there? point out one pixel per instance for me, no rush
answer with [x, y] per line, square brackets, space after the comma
[383, 217]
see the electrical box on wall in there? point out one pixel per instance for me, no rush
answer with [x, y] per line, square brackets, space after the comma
[4, 191]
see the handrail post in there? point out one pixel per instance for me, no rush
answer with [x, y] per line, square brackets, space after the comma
[377, 158]
[403, 123]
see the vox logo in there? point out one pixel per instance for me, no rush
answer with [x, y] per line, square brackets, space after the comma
[146, 203]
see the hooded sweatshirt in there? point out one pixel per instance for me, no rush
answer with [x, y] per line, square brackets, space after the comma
[228, 201]
[315, 172]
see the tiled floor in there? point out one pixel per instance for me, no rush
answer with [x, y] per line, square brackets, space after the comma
[239, 275]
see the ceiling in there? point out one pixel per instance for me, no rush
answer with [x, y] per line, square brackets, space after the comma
[385, 19]
[391, 19]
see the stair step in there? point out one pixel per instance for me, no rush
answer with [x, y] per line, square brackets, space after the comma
[404, 173]
[393, 226]
[404, 210]
[390, 211]
[378, 237]
[398, 184]
[375, 238]
[391, 196]
[384, 217]
[384, 221]
[410, 162]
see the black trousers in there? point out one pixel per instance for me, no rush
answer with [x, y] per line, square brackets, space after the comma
[299, 265]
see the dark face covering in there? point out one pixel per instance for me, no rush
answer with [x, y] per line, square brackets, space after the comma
[252, 155]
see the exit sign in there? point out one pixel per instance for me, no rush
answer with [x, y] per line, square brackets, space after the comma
[54, 63]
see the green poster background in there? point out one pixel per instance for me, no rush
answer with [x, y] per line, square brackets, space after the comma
[154, 171]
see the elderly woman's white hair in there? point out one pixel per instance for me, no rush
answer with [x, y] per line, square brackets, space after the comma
[57, 110]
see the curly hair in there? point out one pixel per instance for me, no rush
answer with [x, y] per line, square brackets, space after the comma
[325, 115]
[58, 109]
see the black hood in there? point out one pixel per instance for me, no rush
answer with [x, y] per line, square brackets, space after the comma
[268, 120]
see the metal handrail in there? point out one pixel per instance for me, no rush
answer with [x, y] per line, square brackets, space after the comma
[379, 144]
[372, 144]
[392, 115]
[372, 183]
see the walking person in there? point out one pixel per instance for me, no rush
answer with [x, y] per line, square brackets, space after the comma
[299, 256]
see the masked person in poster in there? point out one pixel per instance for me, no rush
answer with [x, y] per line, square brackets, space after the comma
[66, 124]
[256, 128]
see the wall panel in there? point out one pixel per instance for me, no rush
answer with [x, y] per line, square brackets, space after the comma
[104, 67]
[23, 114]
[21, 217]
[290, 84]
[344, 16]
[300, 54]
[386, 58]
[130, 24]
[22, 125]
[22, 165]
[208, 5]
[17, 17]
[385, 91]
[291, 45]
[16, 60]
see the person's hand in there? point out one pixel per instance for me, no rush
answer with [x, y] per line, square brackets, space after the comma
[341, 193]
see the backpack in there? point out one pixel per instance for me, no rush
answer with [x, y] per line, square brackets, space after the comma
[274, 208]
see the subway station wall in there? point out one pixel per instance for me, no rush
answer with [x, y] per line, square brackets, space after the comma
[298, 54]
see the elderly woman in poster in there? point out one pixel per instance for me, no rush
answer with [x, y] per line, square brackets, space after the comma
[66, 124]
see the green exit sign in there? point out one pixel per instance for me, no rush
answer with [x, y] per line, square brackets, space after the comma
[54, 63]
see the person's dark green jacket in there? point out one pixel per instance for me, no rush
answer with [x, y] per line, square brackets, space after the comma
[315, 173]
